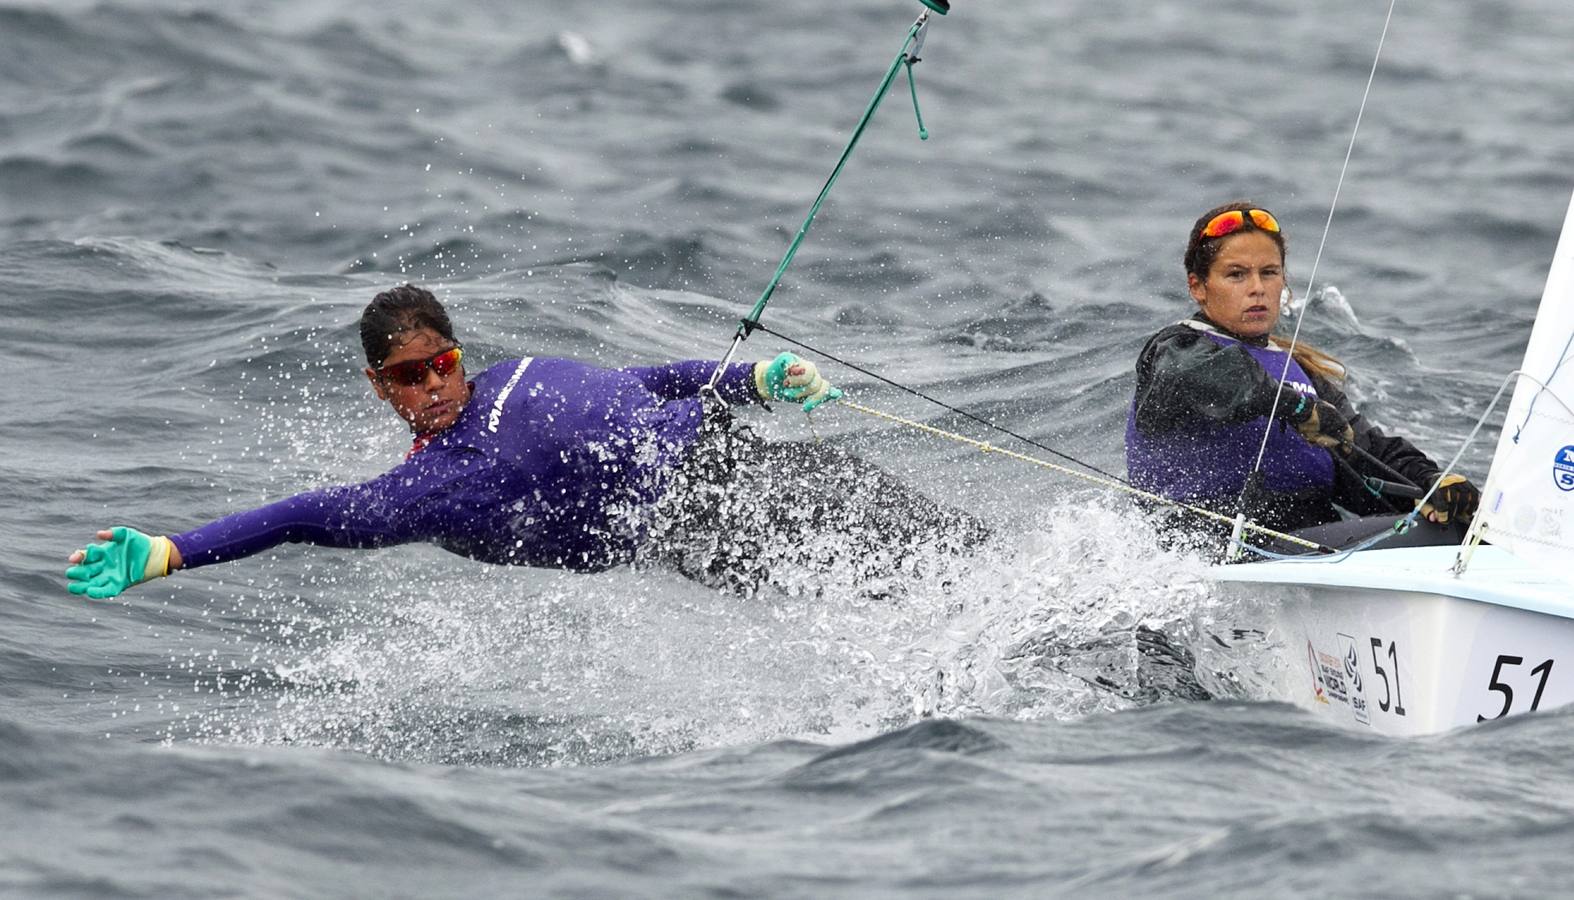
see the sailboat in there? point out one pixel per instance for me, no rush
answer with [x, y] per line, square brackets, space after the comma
[1406, 640]
[1419, 640]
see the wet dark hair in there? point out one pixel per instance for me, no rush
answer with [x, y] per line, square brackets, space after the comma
[1201, 251]
[396, 311]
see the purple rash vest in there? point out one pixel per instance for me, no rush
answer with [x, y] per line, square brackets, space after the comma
[552, 463]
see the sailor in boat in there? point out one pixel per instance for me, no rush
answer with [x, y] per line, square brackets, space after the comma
[1207, 390]
[555, 463]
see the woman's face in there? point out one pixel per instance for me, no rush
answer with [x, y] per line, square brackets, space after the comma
[1244, 285]
[434, 402]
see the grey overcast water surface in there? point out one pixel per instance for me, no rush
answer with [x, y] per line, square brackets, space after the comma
[196, 199]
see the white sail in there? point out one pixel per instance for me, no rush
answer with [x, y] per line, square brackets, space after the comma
[1528, 508]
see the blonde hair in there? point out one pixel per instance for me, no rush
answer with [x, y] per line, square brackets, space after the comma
[1318, 363]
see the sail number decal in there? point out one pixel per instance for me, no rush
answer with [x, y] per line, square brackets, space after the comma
[1497, 684]
[1393, 700]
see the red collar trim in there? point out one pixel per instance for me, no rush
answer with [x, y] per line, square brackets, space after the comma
[421, 440]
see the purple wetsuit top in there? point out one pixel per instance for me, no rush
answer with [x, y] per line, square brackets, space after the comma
[552, 463]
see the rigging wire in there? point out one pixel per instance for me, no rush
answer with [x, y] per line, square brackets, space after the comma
[907, 56]
[1300, 320]
[1113, 484]
[1333, 205]
[941, 403]
[1478, 526]
[1102, 477]
[1403, 524]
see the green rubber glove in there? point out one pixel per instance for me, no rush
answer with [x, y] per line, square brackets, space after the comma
[128, 557]
[792, 378]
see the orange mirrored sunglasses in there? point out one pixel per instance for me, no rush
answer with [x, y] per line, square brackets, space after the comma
[1234, 220]
[413, 372]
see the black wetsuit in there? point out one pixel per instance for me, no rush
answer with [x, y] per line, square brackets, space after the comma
[1198, 386]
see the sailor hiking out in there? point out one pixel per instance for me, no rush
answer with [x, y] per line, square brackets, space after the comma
[556, 463]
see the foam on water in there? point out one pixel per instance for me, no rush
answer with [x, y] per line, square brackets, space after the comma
[424, 657]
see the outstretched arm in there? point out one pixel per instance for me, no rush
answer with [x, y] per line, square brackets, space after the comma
[364, 515]
[677, 380]
[787, 377]
[350, 516]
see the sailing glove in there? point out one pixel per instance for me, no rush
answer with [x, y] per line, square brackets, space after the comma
[128, 557]
[1455, 500]
[791, 377]
[1327, 427]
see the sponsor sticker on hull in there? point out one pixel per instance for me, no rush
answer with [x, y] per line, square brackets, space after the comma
[1352, 675]
[1337, 679]
[1327, 676]
[1319, 692]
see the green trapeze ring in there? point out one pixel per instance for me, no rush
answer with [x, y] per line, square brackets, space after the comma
[940, 6]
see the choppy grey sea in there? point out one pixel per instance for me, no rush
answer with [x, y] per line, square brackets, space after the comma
[197, 198]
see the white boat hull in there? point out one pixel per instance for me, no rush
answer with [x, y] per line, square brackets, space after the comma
[1390, 640]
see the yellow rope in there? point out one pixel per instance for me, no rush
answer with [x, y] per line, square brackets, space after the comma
[987, 447]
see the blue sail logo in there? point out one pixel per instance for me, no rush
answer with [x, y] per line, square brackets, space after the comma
[1563, 469]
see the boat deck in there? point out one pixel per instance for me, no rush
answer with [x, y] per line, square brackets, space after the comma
[1494, 576]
